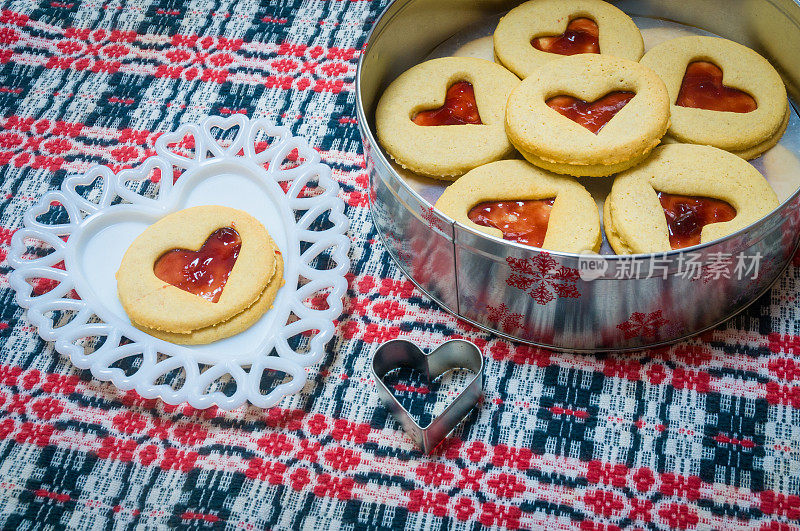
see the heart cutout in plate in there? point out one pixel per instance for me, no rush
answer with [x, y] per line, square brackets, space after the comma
[460, 108]
[454, 354]
[203, 272]
[581, 36]
[702, 88]
[592, 115]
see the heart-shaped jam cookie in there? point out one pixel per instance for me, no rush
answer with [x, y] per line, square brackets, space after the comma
[449, 91]
[686, 216]
[722, 94]
[591, 115]
[238, 323]
[520, 221]
[581, 36]
[622, 109]
[684, 195]
[702, 88]
[460, 108]
[165, 285]
[203, 272]
[514, 200]
[539, 31]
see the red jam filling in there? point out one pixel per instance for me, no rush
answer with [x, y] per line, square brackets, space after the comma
[686, 216]
[702, 88]
[459, 108]
[581, 36]
[203, 272]
[591, 115]
[520, 221]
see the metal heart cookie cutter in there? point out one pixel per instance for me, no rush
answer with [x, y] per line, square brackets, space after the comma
[453, 354]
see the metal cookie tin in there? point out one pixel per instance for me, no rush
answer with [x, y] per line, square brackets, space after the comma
[561, 300]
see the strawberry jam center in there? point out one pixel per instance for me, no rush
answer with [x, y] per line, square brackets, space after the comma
[702, 88]
[581, 36]
[687, 215]
[520, 221]
[203, 272]
[591, 115]
[459, 108]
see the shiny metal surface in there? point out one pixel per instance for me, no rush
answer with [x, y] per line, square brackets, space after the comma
[538, 296]
[454, 354]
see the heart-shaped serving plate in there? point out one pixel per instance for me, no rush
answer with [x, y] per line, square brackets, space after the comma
[106, 212]
[453, 354]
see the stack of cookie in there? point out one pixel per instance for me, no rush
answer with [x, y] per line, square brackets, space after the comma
[200, 275]
[573, 93]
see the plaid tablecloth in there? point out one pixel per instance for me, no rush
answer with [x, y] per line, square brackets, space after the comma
[704, 434]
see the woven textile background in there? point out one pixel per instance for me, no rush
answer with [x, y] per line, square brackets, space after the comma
[705, 434]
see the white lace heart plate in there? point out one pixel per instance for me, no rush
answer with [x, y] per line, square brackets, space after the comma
[88, 224]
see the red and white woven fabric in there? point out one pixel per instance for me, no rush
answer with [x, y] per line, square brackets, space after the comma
[704, 434]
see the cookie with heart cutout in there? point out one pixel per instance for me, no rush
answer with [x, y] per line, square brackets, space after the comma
[722, 94]
[539, 31]
[195, 268]
[238, 323]
[517, 201]
[444, 117]
[684, 195]
[588, 115]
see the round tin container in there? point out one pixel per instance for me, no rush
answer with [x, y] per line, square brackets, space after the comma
[567, 301]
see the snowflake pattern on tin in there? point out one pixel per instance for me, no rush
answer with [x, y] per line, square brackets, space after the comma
[400, 247]
[504, 318]
[542, 278]
[643, 325]
[431, 219]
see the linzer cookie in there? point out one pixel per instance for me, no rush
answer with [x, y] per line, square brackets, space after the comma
[722, 94]
[588, 115]
[199, 274]
[514, 200]
[444, 117]
[539, 31]
[684, 195]
[238, 323]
